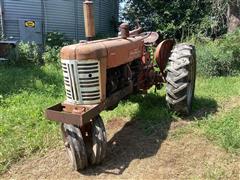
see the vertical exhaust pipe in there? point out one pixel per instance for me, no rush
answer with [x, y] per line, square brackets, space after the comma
[89, 20]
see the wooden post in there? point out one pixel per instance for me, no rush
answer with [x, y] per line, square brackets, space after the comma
[89, 19]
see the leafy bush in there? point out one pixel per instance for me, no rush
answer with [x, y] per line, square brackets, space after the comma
[51, 54]
[220, 57]
[55, 39]
[29, 53]
[168, 17]
[54, 42]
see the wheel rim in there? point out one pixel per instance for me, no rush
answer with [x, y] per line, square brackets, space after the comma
[189, 94]
[191, 82]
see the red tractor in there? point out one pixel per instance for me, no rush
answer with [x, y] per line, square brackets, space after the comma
[99, 74]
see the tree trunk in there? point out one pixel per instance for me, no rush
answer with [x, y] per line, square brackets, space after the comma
[233, 15]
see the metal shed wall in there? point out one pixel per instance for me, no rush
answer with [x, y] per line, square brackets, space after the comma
[1, 20]
[1, 27]
[107, 15]
[60, 17]
[106, 12]
[64, 16]
[1, 33]
[19, 9]
[80, 20]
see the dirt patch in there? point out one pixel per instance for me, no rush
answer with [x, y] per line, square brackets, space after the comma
[134, 155]
[230, 104]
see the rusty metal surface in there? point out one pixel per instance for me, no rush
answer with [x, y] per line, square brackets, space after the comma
[8, 49]
[151, 37]
[117, 51]
[89, 19]
[124, 30]
[163, 52]
[137, 30]
[57, 113]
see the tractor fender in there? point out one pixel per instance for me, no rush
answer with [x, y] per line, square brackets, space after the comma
[163, 52]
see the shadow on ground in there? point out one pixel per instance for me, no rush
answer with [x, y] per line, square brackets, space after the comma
[142, 136]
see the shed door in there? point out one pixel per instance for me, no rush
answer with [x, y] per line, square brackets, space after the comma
[31, 30]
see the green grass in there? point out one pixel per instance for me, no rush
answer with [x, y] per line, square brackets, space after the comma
[218, 88]
[224, 130]
[210, 93]
[24, 94]
[26, 91]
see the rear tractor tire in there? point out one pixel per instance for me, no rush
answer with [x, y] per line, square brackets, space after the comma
[181, 75]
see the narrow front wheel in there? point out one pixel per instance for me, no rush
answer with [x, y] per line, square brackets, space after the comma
[75, 146]
[99, 141]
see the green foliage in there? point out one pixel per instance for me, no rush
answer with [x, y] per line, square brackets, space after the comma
[25, 93]
[51, 54]
[54, 42]
[178, 18]
[29, 53]
[55, 39]
[225, 130]
[220, 57]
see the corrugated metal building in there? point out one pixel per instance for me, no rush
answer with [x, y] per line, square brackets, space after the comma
[29, 20]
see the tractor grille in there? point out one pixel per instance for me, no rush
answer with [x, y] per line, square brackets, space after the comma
[81, 79]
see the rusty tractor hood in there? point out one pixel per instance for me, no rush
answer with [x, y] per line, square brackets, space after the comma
[116, 51]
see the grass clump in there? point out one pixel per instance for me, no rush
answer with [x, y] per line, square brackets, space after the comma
[225, 130]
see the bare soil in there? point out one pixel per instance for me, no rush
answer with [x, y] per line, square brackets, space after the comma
[134, 155]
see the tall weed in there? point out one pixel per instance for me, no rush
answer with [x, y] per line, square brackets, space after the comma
[220, 57]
